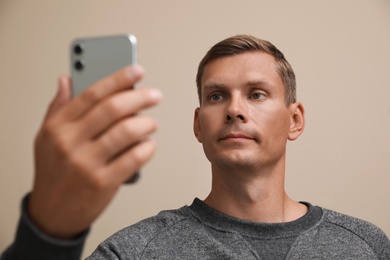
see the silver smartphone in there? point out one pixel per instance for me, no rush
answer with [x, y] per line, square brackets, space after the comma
[97, 57]
[94, 58]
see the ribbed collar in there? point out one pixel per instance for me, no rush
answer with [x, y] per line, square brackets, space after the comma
[223, 222]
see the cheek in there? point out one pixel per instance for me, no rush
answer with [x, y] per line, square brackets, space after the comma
[208, 119]
[273, 123]
[281, 127]
[205, 125]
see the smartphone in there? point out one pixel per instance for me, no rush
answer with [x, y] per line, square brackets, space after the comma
[95, 58]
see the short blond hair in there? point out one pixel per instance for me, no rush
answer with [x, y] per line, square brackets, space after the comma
[246, 43]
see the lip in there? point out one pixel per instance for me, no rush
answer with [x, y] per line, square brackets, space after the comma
[235, 137]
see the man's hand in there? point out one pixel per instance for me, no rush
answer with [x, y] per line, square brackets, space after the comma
[86, 148]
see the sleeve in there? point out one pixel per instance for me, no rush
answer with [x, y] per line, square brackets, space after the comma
[385, 244]
[31, 243]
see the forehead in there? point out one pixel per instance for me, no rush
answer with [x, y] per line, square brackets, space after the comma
[241, 68]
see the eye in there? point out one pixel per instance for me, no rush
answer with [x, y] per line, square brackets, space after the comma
[257, 95]
[215, 97]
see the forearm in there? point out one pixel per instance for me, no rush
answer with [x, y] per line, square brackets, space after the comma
[31, 243]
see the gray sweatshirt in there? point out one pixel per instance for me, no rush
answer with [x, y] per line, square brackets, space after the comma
[199, 232]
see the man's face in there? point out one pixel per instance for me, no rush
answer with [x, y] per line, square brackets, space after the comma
[243, 120]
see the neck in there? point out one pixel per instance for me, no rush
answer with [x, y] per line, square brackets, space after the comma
[254, 195]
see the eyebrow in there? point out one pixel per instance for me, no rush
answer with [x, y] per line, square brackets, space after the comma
[261, 82]
[211, 85]
[249, 83]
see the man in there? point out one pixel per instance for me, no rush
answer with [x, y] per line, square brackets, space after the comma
[247, 113]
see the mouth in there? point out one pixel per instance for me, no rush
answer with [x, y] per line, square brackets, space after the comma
[236, 137]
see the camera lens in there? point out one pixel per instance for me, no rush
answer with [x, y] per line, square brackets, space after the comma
[78, 65]
[78, 48]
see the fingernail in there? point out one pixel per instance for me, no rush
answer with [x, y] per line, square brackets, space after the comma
[156, 94]
[134, 71]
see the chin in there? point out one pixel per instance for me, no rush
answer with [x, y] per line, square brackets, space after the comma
[236, 162]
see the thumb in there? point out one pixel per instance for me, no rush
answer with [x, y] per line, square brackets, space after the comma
[62, 97]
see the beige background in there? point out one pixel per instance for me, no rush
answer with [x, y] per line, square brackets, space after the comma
[340, 53]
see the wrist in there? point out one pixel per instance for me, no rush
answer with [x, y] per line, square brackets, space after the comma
[43, 224]
[31, 243]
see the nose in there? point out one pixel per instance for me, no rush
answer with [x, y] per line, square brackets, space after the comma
[236, 111]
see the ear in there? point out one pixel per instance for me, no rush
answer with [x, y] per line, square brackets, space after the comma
[297, 120]
[197, 128]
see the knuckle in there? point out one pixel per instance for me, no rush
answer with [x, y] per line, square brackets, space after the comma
[91, 95]
[106, 145]
[50, 134]
[96, 181]
[112, 107]
[48, 128]
[57, 139]
[142, 153]
[62, 146]
[87, 170]
[116, 81]
[138, 157]
[151, 124]
[129, 129]
[138, 127]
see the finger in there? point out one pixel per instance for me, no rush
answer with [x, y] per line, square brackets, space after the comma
[122, 105]
[62, 97]
[119, 81]
[123, 135]
[124, 167]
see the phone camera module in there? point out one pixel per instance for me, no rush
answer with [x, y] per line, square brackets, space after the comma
[79, 65]
[78, 48]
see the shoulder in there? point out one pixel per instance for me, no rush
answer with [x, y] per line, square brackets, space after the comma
[339, 236]
[357, 226]
[346, 225]
[133, 239]
[160, 222]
